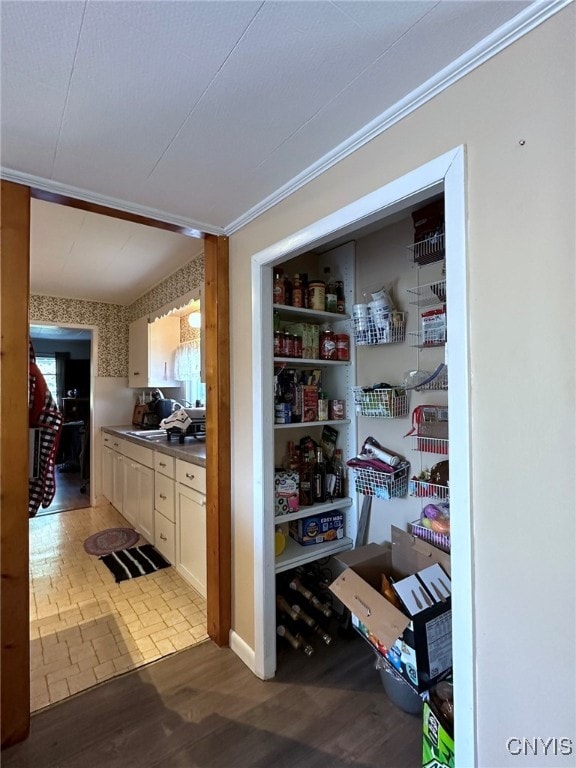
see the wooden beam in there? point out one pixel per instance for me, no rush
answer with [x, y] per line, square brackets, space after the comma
[14, 521]
[216, 309]
[84, 205]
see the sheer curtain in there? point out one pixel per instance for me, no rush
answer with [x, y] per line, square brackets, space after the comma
[187, 365]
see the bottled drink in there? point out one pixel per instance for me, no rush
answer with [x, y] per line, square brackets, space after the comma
[327, 343]
[297, 293]
[291, 460]
[284, 606]
[297, 586]
[306, 480]
[312, 624]
[340, 303]
[288, 290]
[279, 292]
[339, 474]
[330, 295]
[322, 406]
[305, 296]
[319, 483]
[296, 641]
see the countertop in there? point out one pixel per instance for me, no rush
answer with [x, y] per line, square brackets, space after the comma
[193, 451]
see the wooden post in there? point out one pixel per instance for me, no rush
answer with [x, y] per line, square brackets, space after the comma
[216, 309]
[14, 595]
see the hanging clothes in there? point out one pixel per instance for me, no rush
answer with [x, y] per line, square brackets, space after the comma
[44, 416]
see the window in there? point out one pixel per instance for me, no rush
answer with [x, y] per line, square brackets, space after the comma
[47, 365]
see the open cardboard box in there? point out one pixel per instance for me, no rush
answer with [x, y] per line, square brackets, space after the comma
[417, 642]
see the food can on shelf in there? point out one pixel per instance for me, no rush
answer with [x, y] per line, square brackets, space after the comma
[336, 409]
[317, 295]
[342, 346]
[283, 413]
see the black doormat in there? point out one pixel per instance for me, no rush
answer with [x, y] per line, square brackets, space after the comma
[136, 561]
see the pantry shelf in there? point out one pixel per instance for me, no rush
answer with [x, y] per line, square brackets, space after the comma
[305, 362]
[296, 554]
[300, 313]
[310, 424]
[315, 509]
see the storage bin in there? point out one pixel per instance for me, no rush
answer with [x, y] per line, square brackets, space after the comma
[382, 485]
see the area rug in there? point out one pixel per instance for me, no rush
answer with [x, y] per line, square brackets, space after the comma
[134, 562]
[110, 540]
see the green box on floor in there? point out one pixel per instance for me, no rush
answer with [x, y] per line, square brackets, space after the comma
[437, 744]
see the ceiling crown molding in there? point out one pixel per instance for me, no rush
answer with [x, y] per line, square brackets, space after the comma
[493, 44]
[190, 227]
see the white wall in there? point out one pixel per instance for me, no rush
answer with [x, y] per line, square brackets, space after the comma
[522, 327]
[112, 404]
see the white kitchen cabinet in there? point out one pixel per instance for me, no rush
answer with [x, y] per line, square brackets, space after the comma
[151, 352]
[191, 524]
[139, 497]
[107, 472]
[164, 506]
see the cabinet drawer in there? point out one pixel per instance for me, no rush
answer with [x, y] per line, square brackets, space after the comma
[165, 536]
[191, 475]
[164, 464]
[138, 453]
[164, 495]
[117, 443]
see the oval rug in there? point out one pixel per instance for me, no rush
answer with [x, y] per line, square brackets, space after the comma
[110, 540]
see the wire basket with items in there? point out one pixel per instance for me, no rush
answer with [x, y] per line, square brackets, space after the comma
[381, 401]
[434, 525]
[379, 473]
[378, 321]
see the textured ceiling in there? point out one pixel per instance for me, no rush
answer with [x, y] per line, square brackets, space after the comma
[205, 113]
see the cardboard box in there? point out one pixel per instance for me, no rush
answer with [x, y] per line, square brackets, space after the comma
[286, 492]
[417, 641]
[317, 529]
[437, 743]
[309, 402]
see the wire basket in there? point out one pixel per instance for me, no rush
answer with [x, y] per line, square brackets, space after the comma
[389, 403]
[382, 485]
[429, 250]
[423, 489]
[389, 328]
[440, 540]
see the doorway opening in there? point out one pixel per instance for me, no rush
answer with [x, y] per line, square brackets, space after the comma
[64, 356]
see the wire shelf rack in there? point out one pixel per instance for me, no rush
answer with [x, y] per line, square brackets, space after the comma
[423, 489]
[440, 540]
[382, 330]
[429, 250]
[382, 485]
[388, 403]
[430, 444]
[428, 295]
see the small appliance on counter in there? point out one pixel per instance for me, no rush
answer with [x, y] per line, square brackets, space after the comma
[143, 417]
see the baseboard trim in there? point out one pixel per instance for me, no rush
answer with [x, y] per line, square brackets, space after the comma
[242, 650]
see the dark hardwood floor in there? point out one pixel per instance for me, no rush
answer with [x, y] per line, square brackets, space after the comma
[68, 494]
[203, 708]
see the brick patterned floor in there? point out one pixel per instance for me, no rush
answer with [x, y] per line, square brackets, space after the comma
[85, 628]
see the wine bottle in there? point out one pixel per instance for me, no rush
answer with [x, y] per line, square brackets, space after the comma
[296, 641]
[285, 606]
[319, 482]
[305, 493]
[339, 474]
[297, 586]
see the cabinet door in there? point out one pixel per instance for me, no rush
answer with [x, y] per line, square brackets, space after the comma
[138, 353]
[131, 492]
[191, 537]
[146, 502]
[164, 337]
[107, 472]
[118, 476]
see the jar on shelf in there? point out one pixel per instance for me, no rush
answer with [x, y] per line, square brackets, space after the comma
[278, 344]
[327, 344]
[297, 292]
[288, 345]
[317, 295]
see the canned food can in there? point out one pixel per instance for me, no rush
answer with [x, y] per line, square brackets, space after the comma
[283, 413]
[317, 295]
[336, 409]
[342, 346]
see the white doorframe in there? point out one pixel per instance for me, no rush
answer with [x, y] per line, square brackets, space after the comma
[447, 173]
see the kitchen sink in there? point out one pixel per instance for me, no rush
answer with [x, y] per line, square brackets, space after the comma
[154, 435]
